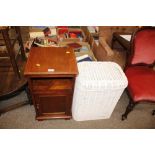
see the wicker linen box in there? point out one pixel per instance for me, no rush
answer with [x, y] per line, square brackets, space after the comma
[98, 88]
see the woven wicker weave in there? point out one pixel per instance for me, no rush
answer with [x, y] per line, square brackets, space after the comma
[98, 88]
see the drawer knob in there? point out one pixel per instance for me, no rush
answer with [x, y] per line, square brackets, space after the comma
[38, 65]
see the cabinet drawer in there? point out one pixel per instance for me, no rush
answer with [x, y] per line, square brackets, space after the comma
[52, 84]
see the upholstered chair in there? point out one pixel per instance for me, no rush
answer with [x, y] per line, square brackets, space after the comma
[139, 69]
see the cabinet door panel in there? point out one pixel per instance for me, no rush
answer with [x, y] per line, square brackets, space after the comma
[47, 104]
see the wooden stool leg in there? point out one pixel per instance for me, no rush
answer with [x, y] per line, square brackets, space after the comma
[10, 51]
[17, 29]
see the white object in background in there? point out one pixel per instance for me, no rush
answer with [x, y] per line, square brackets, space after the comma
[53, 32]
[98, 87]
[82, 57]
[126, 37]
[97, 42]
[91, 29]
[52, 27]
[47, 45]
[97, 29]
[36, 34]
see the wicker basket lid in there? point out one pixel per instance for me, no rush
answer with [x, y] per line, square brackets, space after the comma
[101, 75]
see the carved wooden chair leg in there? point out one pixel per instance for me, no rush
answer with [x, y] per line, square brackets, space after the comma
[129, 108]
[153, 112]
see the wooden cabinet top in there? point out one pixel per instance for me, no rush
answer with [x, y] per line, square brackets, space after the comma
[51, 62]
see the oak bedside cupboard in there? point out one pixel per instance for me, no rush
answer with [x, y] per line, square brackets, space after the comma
[51, 73]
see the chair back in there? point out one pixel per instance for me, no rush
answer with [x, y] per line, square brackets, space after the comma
[143, 47]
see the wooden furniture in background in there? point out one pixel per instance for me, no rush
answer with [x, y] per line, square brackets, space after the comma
[122, 41]
[10, 46]
[12, 81]
[107, 31]
[51, 73]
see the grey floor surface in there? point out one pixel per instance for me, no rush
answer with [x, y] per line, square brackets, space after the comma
[24, 118]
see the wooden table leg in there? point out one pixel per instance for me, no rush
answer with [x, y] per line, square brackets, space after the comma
[10, 51]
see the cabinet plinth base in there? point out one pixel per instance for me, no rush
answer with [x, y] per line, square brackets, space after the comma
[40, 118]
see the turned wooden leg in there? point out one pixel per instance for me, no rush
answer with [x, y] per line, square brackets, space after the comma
[129, 108]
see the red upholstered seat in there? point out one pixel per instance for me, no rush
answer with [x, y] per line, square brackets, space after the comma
[141, 83]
